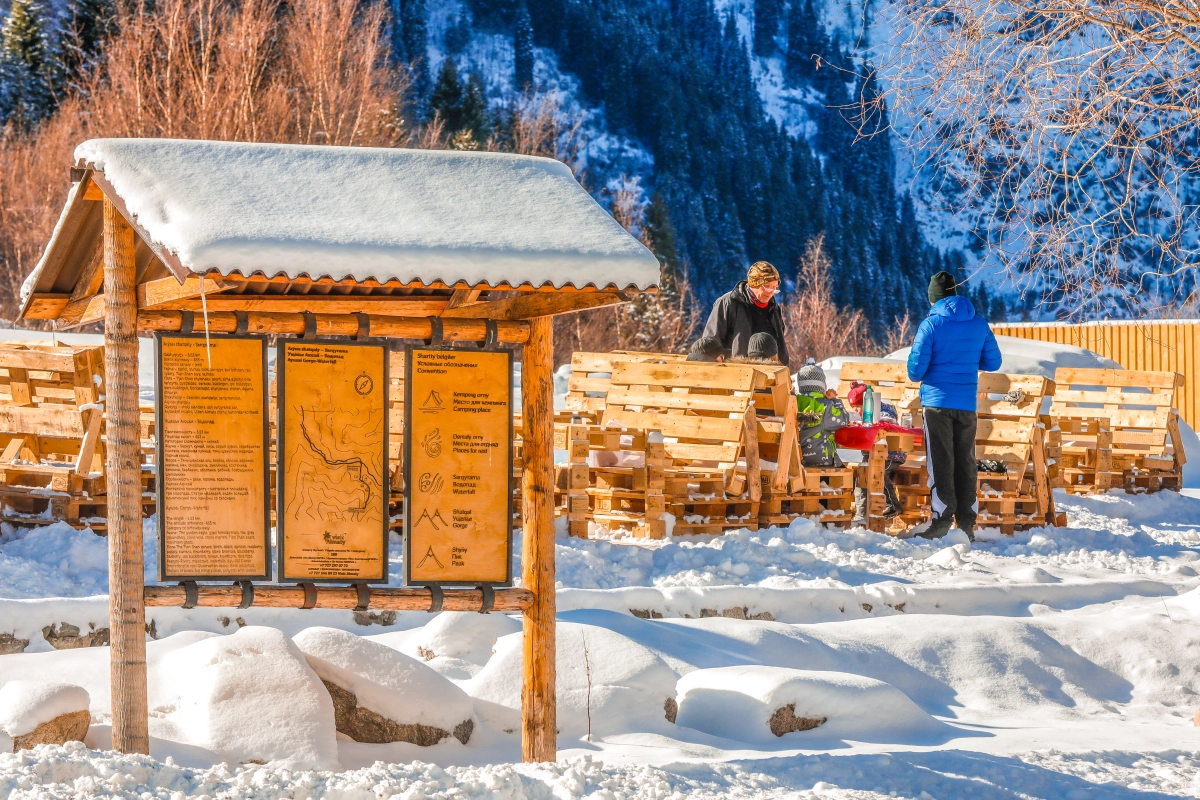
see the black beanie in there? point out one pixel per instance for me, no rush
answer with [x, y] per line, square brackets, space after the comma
[942, 285]
[707, 348]
[762, 345]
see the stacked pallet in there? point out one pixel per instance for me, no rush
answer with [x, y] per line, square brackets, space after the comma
[1117, 429]
[51, 434]
[1011, 434]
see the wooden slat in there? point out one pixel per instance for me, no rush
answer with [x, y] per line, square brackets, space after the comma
[1000, 383]
[46, 306]
[1117, 377]
[725, 430]
[1114, 395]
[689, 451]
[42, 421]
[1117, 417]
[869, 372]
[695, 402]
[735, 377]
[579, 383]
[49, 361]
[994, 430]
[290, 304]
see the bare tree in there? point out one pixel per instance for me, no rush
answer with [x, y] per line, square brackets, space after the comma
[1066, 128]
[815, 326]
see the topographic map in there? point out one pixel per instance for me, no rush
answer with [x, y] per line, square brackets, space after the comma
[335, 468]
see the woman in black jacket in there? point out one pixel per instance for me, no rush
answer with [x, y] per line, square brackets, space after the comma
[749, 309]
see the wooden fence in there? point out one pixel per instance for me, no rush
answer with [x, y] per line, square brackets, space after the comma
[1168, 345]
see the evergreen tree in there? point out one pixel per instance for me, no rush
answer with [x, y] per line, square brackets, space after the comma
[805, 38]
[458, 33]
[87, 24]
[523, 49]
[767, 14]
[28, 68]
[446, 99]
[474, 115]
[660, 237]
[410, 41]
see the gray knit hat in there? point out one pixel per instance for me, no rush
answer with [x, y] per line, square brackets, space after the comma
[810, 378]
[762, 346]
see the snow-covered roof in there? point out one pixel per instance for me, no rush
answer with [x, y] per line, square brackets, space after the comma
[367, 213]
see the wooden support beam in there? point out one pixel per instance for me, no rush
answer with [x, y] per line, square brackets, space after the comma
[463, 297]
[344, 597]
[126, 611]
[43, 305]
[536, 304]
[539, 741]
[403, 306]
[153, 294]
[82, 311]
[454, 330]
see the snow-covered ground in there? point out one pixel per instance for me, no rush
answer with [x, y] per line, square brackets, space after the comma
[1057, 663]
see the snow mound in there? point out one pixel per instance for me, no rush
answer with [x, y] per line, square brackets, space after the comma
[747, 703]
[465, 635]
[620, 684]
[251, 696]
[26, 704]
[384, 680]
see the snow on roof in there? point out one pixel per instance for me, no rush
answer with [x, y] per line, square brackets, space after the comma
[369, 213]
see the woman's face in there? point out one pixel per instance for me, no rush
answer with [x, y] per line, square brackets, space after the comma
[765, 292]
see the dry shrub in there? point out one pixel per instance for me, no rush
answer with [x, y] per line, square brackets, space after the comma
[313, 72]
[816, 326]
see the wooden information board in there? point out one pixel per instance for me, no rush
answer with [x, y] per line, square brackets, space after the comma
[332, 514]
[458, 467]
[212, 458]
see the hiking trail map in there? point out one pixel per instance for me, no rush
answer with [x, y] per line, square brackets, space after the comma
[333, 479]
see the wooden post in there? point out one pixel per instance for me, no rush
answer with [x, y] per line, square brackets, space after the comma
[126, 609]
[539, 740]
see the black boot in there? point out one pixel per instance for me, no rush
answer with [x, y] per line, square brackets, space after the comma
[937, 529]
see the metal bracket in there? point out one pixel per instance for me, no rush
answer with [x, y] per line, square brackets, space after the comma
[187, 322]
[190, 593]
[435, 599]
[364, 326]
[364, 596]
[435, 332]
[247, 594]
[310, 594]
[489, 599]
[493, 334]
[243, 322]
[310, 324]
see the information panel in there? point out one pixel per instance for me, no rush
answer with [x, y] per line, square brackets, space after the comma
[458, 467]
[212, 458]
[332, 514]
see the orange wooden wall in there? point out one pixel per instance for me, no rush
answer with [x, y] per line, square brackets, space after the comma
[1169, 345]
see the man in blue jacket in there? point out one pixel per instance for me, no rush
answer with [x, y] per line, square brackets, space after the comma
[950, 348]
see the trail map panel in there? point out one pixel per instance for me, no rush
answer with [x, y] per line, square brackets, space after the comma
[458, 458]
[332, 483]
[212, 458]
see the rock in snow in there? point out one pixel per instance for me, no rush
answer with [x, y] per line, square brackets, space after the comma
[251, 697]
[466, 635]
[36, 712]
[381, 695]
[616, 686]
[760, 704]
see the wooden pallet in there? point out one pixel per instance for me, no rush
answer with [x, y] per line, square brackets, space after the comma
[1117, 429]
[591, 378]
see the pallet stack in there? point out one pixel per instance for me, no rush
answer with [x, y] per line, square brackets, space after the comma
[51, 434]
[1117, 429]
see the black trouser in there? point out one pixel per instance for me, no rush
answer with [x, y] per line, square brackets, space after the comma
[950, 453]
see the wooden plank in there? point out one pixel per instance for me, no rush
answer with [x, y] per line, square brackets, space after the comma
[1001, 383]
[59, 360]
[579, 383]
[1004, 431]
[870, 372]
[690, 374]
[82, 312]
[688, 427]
[317, 304]
[91, 440]
[463, 297]
[13, 449]
[603, 362]
[454, 330]
[46, 306]
[127, 612]
[91, 279]
[340, 597]
[690, 451]
[19, 392]
[158, 292]
[1064, 376]
[533, 305]
[539, 730]
[694, 402]
[42, 421]
[1114, 395]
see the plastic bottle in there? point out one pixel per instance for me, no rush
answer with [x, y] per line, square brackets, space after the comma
[868, 413]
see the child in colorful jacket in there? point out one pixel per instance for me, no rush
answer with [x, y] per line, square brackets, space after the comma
[819, 413]
[885, 412]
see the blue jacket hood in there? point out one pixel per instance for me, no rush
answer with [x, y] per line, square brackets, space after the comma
[956, 308]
